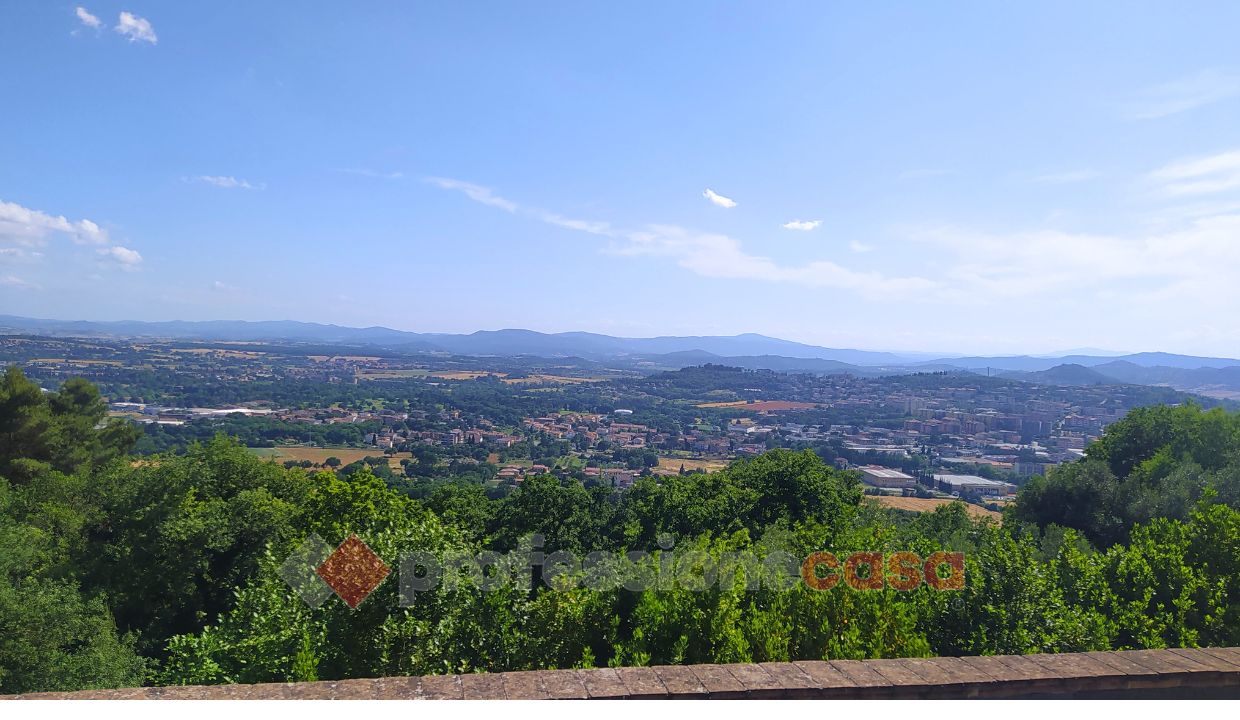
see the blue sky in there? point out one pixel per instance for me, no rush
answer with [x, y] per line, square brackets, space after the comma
[969, 177]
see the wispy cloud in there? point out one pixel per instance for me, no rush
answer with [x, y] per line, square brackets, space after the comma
[87, 19]
[706, 254]
[1199, 176]
[719, 256]
[486, 196]
[801, 224]
[122, 256]
[137, 29]
[1194, 258]
[1183, 94]
[1191, 261]
[12, 281]
[477, 193]
[1066, 177]
[229, 182]
[716, 198]
[590, 226]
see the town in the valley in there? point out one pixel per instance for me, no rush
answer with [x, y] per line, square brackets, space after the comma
[497, 421]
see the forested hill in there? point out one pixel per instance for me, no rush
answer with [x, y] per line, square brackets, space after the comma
[167, 570]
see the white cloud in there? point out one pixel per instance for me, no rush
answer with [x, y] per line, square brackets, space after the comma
[1195, 255]
[720, 256]
[486, 196]
[87, 19]
[1174, 216]
[136, 28]
[19, 254]
[126, 258]
[229, 182]
[716, 198]
[706, 254]
[801, 224]
[1196, 258]
[23, 229]
[477, 193]
[590, 226]
[1199, 176]
[15, 282]
[222, 287]
[26, 227]
[1183, 94]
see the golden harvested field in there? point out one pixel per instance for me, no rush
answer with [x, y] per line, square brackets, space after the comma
[413, 373]
[243, 354]
[126, 414]
[1219, 393]
[463, 374]
[318, 455]
[344, 358]
[69, 361]
[929, 504]
[560, 379]
[390, 374]
[351, 358]
[672, 465]
[761, 405]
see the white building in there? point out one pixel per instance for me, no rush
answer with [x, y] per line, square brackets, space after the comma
[882, 477]
[973, 485]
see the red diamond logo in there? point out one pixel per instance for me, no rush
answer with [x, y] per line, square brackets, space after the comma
[353, 571]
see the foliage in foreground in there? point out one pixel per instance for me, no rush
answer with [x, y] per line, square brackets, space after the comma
[116, 572]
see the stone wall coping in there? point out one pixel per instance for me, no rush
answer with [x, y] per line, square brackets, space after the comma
[1132, 672]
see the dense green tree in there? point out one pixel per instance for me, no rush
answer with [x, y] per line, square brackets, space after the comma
[52, 636]
[1157, 462]
[168, 569]
[170, 540]
[465, 506]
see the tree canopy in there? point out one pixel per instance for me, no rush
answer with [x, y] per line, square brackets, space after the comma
[120, 570]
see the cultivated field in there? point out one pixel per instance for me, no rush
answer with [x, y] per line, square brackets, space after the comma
[761, 405]
[318, 455]
[395, 374]
[463, 374]
[390, 374]
[672, 465]
[929, 504]
[558, 379]
[76, 361]
[345, 358]
[242, 354]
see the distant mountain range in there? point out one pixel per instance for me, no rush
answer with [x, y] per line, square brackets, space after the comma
[1219, 376]
[483, 342]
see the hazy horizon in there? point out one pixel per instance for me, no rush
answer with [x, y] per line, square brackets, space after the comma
[893, 178]
[929, 353]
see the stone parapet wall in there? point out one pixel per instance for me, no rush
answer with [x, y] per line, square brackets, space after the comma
[1188, 673]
